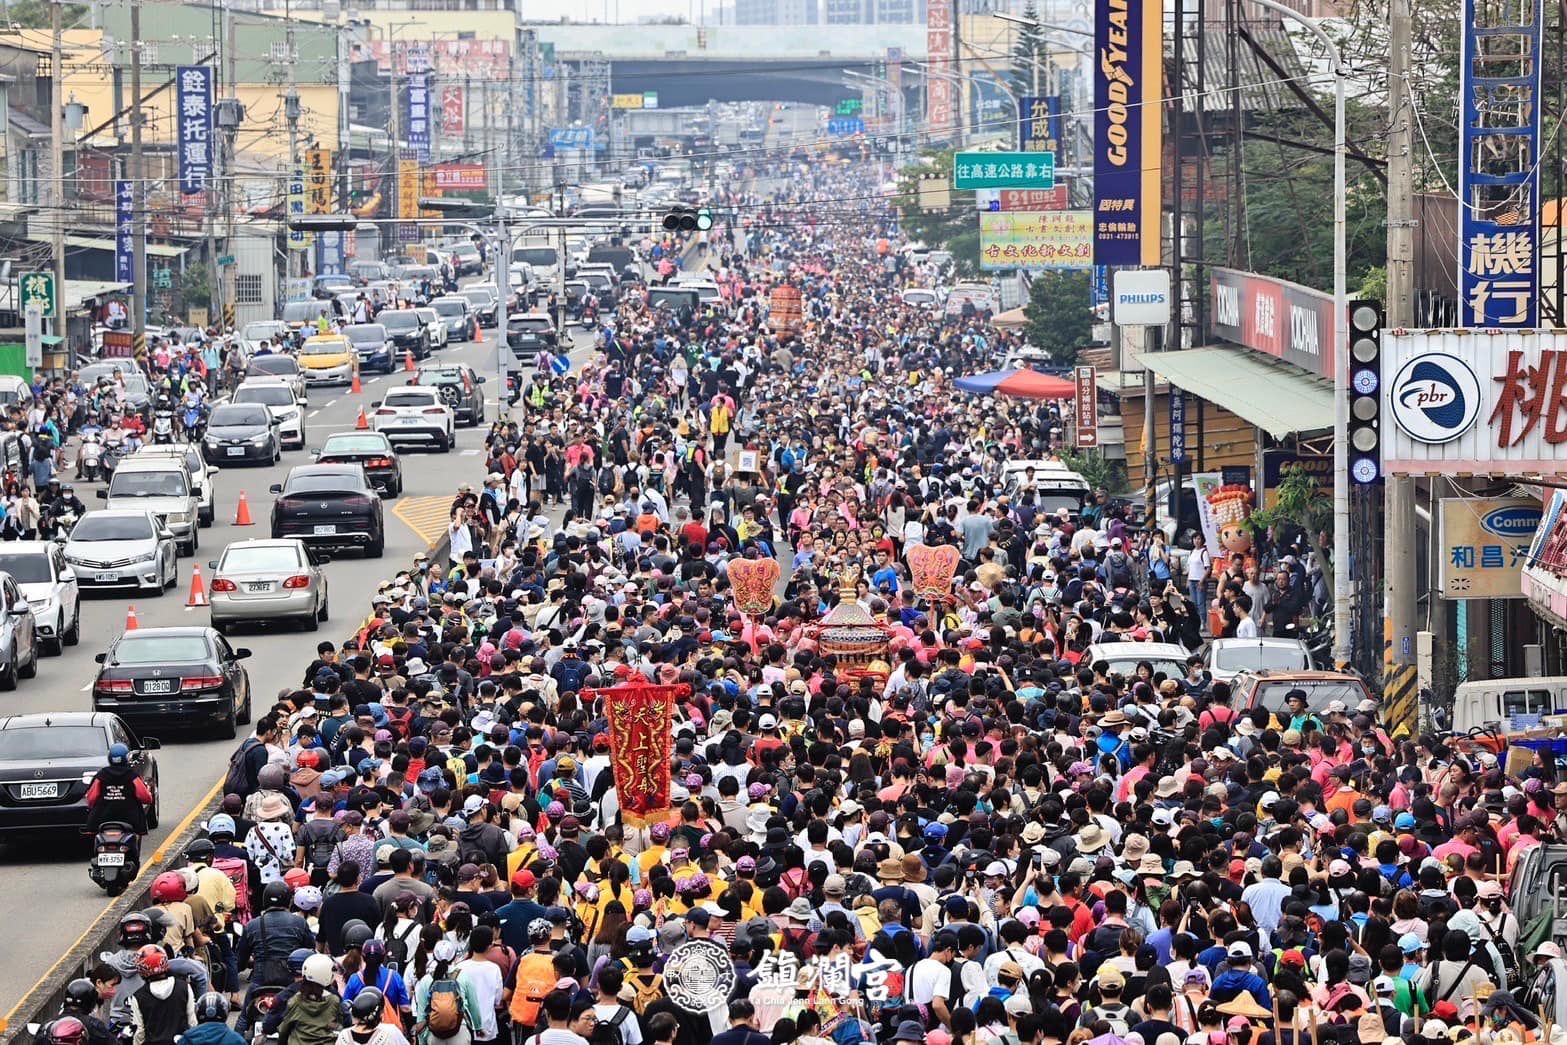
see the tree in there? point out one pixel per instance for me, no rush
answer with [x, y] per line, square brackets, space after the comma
[34, 14]
[955, 229]
[1059, 313]
[1029, 54]
[1301, 502]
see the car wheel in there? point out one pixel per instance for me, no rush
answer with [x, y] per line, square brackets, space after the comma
[55, 646]
[8, 678]
[172, 578]
[377, 546]
[445, 445]
[152, 812]
[30, 669]
[312, 621]
[394, 488]
[326, 610]
[195, 540]
[221, 627]
[228, 729]
[207, 517]
[73, 634]
[243, 718]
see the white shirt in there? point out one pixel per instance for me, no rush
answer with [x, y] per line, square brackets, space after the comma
[630, 1029]
[929, 979]
[488, 985]
[1246, 628]
[1197, 564]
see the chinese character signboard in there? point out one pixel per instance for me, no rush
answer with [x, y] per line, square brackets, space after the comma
[318, 181]
[640, 741]
[462, 176]
[1039, 130]
[1004, 170]
[1177, 426]
[1021, 199]
[1128, 102]
[1284, 320]
[297, 239]
[941, 91]
[38, 292]
[1484, 546]
[408, 199]
[845, 126]
[626, 101]
[124, 231]
[454, 110]
[1087, 407]
[417, 132]
[194, 98]
[1498, 165]
[1060, 239]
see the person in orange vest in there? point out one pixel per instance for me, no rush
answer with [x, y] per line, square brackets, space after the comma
[719, 421]
[535, 977]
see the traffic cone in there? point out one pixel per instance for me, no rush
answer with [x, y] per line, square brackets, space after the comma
[476, 332]
[130, 618]
[198, 589]
[242, 512]
[363, 424]
[408, 361]
[354, 387]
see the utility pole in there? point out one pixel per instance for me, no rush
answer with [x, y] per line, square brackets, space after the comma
[138, 179]
[1401, 600]
[57, 159]
[291, 115]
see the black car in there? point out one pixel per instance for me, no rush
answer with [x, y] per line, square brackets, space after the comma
[459, 386]
[538, 324]
[176, 676]
[370, 450]
[241, 433]
[457, 313]
[406, 332]
[47, 761]
[330, 506]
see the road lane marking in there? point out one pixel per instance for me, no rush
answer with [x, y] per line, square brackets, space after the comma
[313, 413]
[427, 517]
[331, 403]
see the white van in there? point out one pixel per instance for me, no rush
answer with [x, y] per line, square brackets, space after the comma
[160, 485]
[1055, 485]
[1508, 705]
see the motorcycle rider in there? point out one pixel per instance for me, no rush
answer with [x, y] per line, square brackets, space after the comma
[274, 1016]
[268, 940]
[137, 930]
[118, 794]
[164, 1007]
[82, 1001]
[315, 1014]
[212, 1013]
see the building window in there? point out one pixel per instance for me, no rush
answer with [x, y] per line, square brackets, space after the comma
[247, 290]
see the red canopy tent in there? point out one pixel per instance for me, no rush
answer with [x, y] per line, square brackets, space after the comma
[1024, 384]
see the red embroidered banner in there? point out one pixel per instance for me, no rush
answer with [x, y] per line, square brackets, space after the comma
[640, 741]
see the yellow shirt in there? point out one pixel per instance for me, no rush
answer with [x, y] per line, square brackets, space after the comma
[651, 857]
[519, 858]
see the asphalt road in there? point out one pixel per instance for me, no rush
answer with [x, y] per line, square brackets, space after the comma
[48, 894]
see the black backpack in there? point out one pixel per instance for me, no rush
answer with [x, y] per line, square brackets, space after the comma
[237, 781]
[318, 838]
[607, 1032]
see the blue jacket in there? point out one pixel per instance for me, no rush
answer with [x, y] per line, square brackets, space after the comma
[210, 1034]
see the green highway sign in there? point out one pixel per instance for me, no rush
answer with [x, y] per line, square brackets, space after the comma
[1004, 170]
[225, 260]
[849, 107]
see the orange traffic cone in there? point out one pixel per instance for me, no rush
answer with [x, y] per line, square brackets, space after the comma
[242, 512]
[130, 618]
[477, 334]
[354, 387]
[198, 589]
[408, 361]
[363, 423]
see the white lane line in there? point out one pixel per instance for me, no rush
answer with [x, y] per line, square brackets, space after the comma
[470, 453]
[313, 413]
[332, 402]
[87, 688]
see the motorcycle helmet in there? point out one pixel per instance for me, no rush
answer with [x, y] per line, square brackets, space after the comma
[135, 930]
[367, 1006]
[81, 995]
[374, 951]
[168, 887]
[272, 777]
[296, 959]
[212, 1008]
[201, 851]
[119, 754]
[152, 962]
[276, 894]
[355, 933]
[318, 969]
[295, 877]
[539, 930]
[221, 826]
[67, 1030]
[161, 922]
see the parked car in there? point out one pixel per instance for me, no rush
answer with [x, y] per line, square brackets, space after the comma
[122, 549]
[200, 473]
[414, 414]
[281, 398]
[457, 314]
[328, 359]
[174, 677]
[242, 433]
[15, 392]
[47, 763]
[1226, 658]
[266, 580]
[285, 368]
[486, 301]
[459, 387]
[406, 332]
[370, 450]
[330, 505]
[162, 487]
[49, 585]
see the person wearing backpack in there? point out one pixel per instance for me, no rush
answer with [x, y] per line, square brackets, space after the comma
[617, 1023]
[444, 1006]
[246, 763]
[318, 837]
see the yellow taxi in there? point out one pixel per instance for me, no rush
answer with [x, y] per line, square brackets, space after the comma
[327, 359]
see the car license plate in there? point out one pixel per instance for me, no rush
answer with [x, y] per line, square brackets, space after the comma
[106, 578]
[111, 860]
[258, 586]
[325, 531]
[158, 686]
[38, 790]
[236, 451]
[407, 420]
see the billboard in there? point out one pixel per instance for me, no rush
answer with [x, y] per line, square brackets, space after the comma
[1284, 320]
[124, 231]
[941, 92]
[1128, 126]
[318, 181]
[408, 199]
[454, 110]
[461, 176]
[417, 130]
[1484, 545]
[1086, 434]
[1039, 129]
[1057, 239]
[194, 97]
[1021, 199]
[297, 239]
[1499, 165]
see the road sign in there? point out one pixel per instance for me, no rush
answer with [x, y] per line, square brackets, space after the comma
[1004, 170]
[38, 291]
[849, 107]
[845, 126]
[225, 260]
[650, 99]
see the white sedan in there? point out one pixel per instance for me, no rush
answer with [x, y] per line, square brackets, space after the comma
[416, 414]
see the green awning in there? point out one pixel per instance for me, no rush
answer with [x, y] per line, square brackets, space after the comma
[1276, 397]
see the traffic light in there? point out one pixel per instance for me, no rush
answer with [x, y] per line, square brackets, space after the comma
[1365, 392]
[688, 219]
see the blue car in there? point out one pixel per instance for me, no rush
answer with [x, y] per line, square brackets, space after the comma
[373, 344]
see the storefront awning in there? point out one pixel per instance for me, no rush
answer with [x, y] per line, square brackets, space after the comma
[1278, 399]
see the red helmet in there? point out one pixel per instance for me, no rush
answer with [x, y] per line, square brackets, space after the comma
[309, 758]
[296, 877]
[169, 887]
[67, 1030]
[152, 962]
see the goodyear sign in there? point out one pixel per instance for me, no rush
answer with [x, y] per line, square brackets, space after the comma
[1485, 545]
[1128, 108]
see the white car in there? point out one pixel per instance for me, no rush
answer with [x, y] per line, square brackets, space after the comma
[255, 334]
[417, 414]
[1123, 657]
[282, 401]
[433, 325]
[920, 297]
[49, 585]
[122, 549]
[200, 473]
[279, 365]
[1226, 658]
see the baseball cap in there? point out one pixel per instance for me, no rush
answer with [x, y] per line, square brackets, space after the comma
[473, 804]
[524, 879]
[1239, 949]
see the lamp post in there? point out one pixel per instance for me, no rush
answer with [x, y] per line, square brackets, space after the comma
[1017, 103]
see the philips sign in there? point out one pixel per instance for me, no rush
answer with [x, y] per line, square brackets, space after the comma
[1140, 297]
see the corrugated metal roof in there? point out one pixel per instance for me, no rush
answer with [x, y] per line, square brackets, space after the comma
[1260, 89]
[1281, 400]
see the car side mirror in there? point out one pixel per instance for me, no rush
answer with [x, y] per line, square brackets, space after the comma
[276, 421]
[103, 495]
[481, 380]
[315, 454]
[67, 575]
[322, 558]
[166, 535]
[376, 405]
[151, 744]
[275, 488]
[101, 658]
[242, 653]
[212, 564]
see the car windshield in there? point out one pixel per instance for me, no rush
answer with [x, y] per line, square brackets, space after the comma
[354, 444]
[50, 741]
[238, 415]
[96, 526]
[160, 649]
[1244, 657]
[447, 307]
[534, 255]
[128, 483]
[317, 482]
[11, 395]
[260, 557]
[300, 311]
[261, 331]
[669, 298]
[322, 348]
[1126, 665]
[135, 384]
[26, 567]
[273, 365]
[1319, 693]
[266, 395]
[478, 297]
[440, 377]
[399, 319]
[409, 398]
[365, 334]
[90, 374]
[529, 322]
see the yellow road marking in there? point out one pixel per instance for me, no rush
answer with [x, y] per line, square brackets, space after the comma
[427, 517]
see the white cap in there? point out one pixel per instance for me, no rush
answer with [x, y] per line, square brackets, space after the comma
[767, 722]
[1239, 949]
[996, 868]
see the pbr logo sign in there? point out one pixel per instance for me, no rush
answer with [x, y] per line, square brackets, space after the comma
[1435, 398]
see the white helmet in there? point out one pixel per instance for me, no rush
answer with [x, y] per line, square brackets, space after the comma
[318, 969]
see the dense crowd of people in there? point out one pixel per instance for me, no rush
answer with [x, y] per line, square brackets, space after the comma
[988, 839]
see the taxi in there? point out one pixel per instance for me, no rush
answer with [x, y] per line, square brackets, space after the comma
[327, 359]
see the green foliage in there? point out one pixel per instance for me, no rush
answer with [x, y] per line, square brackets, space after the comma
[195, 286]
[1028, 48]
[1093, 466]
[1060, 320]
[955, 229]
[1373, 284]
[34, 14]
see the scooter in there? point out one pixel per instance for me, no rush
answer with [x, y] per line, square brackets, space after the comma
[162, 426]
[89, 457]
[116, 857]
[194, 420]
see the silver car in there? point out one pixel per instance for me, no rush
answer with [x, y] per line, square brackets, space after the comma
[18, 635]
[122, 548]
[49, 585]
[265, 580]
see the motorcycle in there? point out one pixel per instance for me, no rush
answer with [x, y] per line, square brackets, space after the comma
[116, 857]
[58, 527]
[194, 420]
[109, 458]
[262, 1000]
[89, 457]
[162, 425]
[588, 315]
